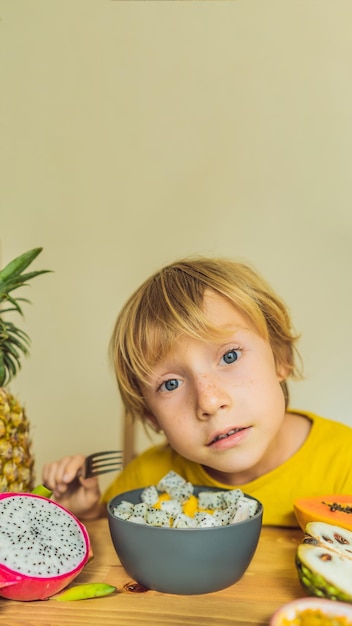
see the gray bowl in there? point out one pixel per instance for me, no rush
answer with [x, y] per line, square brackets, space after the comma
[184, 560]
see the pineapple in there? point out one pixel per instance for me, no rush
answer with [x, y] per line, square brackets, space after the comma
[16, 460]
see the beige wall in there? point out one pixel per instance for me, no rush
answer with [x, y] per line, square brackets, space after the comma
[138, 132]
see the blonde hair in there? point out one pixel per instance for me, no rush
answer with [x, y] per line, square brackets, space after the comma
[169, 305]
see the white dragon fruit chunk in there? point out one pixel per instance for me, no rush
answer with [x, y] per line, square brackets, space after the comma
[125, 506]
[181, 492]
[224, 515]
[156, 517]
[140, 509]
[43, 547]
[184, 521]
[210, 499]
[252, 505]
[124, 509]
[150, 495]
[241, 513]
[170, 481]
[232, 496]
[121, 514]
[137, 519]
[206, 520]
[171, 507]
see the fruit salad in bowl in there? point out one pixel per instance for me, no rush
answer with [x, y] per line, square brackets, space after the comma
[183, 539]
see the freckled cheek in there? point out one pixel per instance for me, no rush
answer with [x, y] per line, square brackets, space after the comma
[173, 418]
[264, 386]
[269, 392]
[179, 431]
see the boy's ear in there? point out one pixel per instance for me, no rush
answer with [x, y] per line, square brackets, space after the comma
[282, 372]
[284, 362]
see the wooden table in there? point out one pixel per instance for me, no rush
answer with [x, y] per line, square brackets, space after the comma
[270, 581]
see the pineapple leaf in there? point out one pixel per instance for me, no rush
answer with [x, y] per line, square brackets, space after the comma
[11, 351]
[10, 370]
[9, 335]
[19, 264]
[3, 371]
[8, 310]
[13, 340]
[13, 283]
[13, 330]
[16, 306]
[11, 364]
[22, 345]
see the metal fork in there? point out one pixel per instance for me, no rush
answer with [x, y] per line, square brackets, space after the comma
[101, 463]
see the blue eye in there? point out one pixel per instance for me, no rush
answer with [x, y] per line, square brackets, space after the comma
[170, 385]
[231, 356]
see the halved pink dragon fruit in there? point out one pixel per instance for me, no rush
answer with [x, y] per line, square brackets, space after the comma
[43, 547]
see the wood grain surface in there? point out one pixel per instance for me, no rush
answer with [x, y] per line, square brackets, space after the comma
[270, 581]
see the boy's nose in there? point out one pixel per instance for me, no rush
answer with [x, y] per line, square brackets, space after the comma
[210, 398]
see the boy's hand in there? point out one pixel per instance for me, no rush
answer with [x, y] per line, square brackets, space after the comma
[79, 495]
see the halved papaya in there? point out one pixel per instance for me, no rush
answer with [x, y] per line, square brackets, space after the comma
[331, 509]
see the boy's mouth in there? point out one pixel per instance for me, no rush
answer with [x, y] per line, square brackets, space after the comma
[233, 431]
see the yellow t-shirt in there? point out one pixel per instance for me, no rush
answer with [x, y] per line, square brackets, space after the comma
[321, 466]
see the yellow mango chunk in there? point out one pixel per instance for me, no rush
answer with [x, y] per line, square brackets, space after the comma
[162, 498]
[190, 507]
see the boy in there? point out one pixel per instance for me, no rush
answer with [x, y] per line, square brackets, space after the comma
[202, 351]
